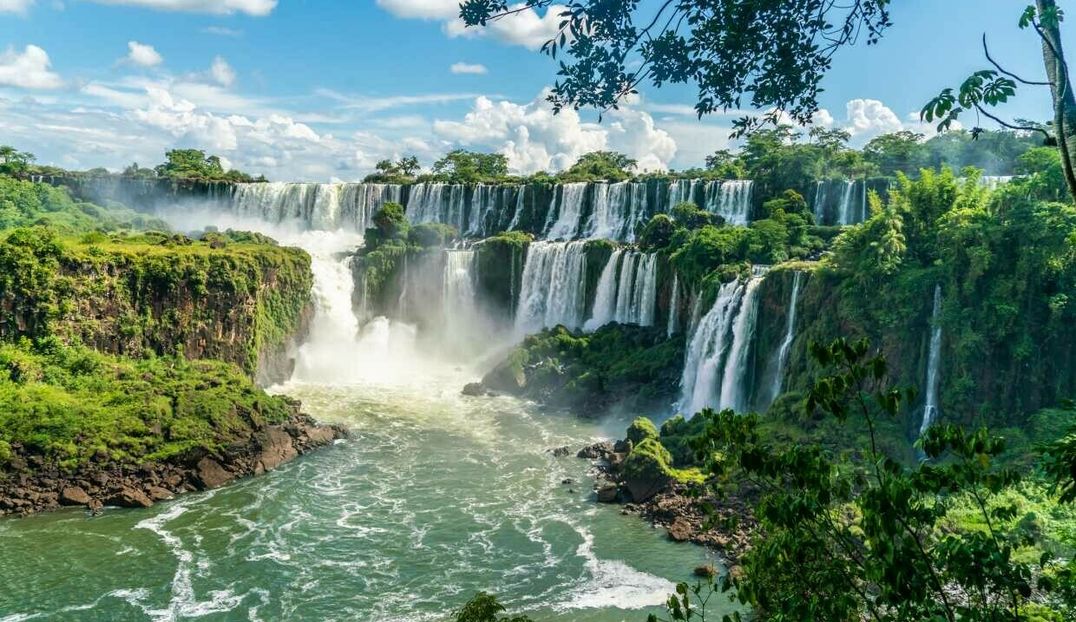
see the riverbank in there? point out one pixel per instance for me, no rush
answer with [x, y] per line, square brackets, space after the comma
[686, 511]
[29, 485]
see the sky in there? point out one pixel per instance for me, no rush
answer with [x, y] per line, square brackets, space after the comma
[320, 90]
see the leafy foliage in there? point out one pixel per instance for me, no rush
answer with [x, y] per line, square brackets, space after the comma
[195, 164]
[764, 54]
[71, 405]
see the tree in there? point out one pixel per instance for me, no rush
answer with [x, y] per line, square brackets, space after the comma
[775, 52]
[13, 161]
[855, 535]
[400, 171]
[601, 165]
[462, 166]
[901, 151]
[988, 88]
[195, 164]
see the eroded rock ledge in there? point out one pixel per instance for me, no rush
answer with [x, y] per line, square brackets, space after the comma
[30, 486]
[724, 524]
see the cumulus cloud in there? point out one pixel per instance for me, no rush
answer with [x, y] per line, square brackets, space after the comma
[28, 69]
[221, 72]
[467, 68]
[15, 6]
[220, 7]
[870, 117]
[525, 27]
[142, 54]
[534, 139]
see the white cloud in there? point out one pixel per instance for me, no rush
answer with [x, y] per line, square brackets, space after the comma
[220, 7]
[221, 72]
[870, 117]
[15, 6]
[422, 9]
[534, 139]
[524, 27]
[222, 31]
[142, 54]
[28, 69]
[467, 68]
[367, 103]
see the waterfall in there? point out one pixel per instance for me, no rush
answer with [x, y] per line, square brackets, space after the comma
[715, 365]
[459, 299]
[553, 289]
[786, 343]
[930, 404]
[819, 207]
[625, 288]
[646, 290]
[483, 204]
[608, 219]
[570, 212]
[323, 207]
[993, 182]
[521, 194]
[674, 307]
[734, 390]
[844, 214]
[605, 296]
[729, 199]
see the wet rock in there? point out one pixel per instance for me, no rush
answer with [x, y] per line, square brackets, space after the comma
[567, 481]
[706, 572]
[160, 494]
[210, 474]
[95, 506]
[680, 530]
[474, 389]
[277, 448]
[607, 492]
[597, 451]
[560, 452]
[128, 497]
[74, 495]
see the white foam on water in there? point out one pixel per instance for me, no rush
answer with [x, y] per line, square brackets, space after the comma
[613, 584]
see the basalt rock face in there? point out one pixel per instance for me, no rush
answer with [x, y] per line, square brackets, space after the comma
[243, 303]
[29, 485]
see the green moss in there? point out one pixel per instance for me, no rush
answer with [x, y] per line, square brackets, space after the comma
[650, 461]
[80, 405]
[137, 294]
[641, 429]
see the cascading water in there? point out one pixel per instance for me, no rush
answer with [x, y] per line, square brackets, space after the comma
[930, 404]
[570, 211]
[819, 206]
[605, 295]
[459, 307]
[734, 389]
[674, 308]
[786, 343]
[325, 207]
[553, 286]
[844, 213]
[729, 199]
[715, 366]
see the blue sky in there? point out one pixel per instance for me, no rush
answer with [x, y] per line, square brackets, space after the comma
[320, 90]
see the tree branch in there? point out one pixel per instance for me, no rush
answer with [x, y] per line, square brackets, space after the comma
[986, 50]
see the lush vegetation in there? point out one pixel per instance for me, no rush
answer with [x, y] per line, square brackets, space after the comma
[626, 365]
[179, 164]
[71, 405]
[153, 292]
[23, 203]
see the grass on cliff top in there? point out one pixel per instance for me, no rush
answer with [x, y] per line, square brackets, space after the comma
[72, 405]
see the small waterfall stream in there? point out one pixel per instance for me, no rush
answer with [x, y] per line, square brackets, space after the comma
[627, 290]
[930, 403]
[786, 343]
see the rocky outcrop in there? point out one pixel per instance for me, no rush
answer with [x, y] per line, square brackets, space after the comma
[687, 513]
[29, 485]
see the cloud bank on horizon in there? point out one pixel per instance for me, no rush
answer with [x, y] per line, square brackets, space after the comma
[144, 107]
